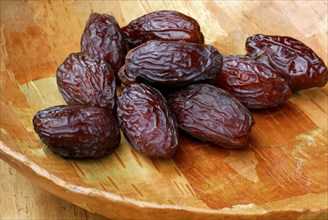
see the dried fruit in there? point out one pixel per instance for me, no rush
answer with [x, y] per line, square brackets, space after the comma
[211, 114]
[146, 121]
[293, 60]
[252, 83]
[77, 131]
[162, 25]
[88, 80]
[164, 64]
[102, 36]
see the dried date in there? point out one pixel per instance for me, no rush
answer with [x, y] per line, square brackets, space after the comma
[146, 121]
[162, 25]
[102, 36]
[169, 64]
[88, 80]
[298, 64]
[211, 114]
[77, 131]
[252, 83]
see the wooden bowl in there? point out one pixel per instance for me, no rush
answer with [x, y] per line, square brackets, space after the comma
[283, 173]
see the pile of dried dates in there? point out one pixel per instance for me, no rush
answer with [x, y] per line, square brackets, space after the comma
[170, 80]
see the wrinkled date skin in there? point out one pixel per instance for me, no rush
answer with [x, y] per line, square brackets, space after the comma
[252, 83]
[292, 59]
[163, 25]
[77, 131]
[211, 114]
[171, 64]
[88, 80]
[102, 36]
[146, 121]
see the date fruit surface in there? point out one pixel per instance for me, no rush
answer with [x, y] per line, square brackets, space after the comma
[77, 131]
[293, 60]
[146, 121]
[102, 36]
[88, 80]
[162, 25]
[169, 64]
[252, 83]
[211, 114]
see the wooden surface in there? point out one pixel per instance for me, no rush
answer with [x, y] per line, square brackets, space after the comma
[283, 173]
[21, 199]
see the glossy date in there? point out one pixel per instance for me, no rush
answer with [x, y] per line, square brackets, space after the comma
[162, 25]
[102, 36]
[146, 121]
[171, 64]
[252, 83]
[298, 64]
[88, 80]
[211, 114]
[77, 131]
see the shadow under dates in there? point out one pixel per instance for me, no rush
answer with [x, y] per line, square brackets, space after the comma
[284, 121]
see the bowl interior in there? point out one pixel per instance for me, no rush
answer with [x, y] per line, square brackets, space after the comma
[284, 167]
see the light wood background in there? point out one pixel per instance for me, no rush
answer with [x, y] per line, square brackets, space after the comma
[282, 174]
[21, 199]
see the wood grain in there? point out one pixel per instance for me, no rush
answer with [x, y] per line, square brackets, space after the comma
[283, 173]
[21, 199]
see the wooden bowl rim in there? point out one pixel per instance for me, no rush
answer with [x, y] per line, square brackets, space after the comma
[16, 159]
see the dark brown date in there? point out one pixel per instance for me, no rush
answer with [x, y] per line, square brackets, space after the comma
[211, 114]
[102, 36]
[88, 80]
[146, 121]
[163, 25]
[293, 60]
[169, 64]
[252, 83]
[77, 131]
